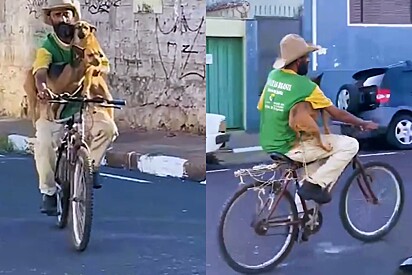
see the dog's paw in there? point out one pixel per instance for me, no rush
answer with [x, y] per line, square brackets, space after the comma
[328, 147]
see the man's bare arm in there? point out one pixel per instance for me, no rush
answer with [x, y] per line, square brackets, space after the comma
[344, 116]
[40, 79]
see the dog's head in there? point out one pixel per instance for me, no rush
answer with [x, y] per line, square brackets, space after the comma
[83, 29]
[89, 56]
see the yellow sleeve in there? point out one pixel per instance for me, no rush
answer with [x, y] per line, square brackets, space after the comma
[105, 64]
[318, 99]
[42, 61]
[260, 103]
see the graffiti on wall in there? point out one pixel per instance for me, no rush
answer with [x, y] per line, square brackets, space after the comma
[101, 6]
[34, 7]
[181, 26]
[147, 6]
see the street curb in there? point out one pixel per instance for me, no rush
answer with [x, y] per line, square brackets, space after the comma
[154, 164]
[157, 164]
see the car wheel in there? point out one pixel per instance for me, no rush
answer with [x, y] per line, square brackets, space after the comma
[399, 132]
[348, 98]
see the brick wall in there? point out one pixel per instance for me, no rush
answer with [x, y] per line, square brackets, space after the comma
[157, 57]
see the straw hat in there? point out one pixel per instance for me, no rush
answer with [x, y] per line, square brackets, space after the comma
[292, 47]
[73, 5]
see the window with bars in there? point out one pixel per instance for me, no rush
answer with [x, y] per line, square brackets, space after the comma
[380, 11]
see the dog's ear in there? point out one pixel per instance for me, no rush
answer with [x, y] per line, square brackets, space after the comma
[78, 51]
[317, 79]
[93, 28]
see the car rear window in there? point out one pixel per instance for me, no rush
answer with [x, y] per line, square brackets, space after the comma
[374, 80]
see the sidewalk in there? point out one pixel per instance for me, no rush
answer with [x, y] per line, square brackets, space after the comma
[154, 152]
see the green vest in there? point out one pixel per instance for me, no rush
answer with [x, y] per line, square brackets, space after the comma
[61, 55]
[282, 91]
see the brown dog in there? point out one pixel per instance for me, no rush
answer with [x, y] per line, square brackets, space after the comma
[94, 83]
[67, 81]
[303, 120]
[84, 69]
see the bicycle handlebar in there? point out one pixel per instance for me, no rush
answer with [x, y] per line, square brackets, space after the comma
[64, 99]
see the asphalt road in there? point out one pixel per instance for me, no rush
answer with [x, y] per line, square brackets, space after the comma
[139, 228]
[332, 250]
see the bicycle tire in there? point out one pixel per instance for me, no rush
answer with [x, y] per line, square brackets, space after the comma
[83, 157]
[223, 250]
[63, 178]
[394, 219]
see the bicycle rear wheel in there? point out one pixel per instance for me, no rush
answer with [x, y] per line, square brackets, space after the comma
[259, 228]
[367, 193]
[63, 189]
[82, 200]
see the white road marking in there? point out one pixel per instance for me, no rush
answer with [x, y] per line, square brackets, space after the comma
[379, 154]
[259, 148]
[254, 148]
[203, 182]
[123, 178]
[247, 149]
[329, 248]
[218, 170]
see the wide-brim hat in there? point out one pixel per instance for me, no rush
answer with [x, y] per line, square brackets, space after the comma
[292, 47]
[73, 5]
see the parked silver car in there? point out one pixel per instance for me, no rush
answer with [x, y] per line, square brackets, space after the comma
[383, 95]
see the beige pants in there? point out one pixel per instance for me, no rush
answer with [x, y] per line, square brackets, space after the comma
[326, 175]
[101, 129]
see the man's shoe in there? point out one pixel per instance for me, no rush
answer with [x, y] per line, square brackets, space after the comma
[97, 180]
[49, 205]
[310, 191]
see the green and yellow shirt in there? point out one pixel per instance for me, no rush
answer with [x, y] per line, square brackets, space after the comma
[284, 88]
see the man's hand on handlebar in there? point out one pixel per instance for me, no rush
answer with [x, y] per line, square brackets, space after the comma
[44, 94]
[349, 119]
[368, 125]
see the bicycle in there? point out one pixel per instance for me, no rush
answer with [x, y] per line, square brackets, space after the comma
[74, 171]
[310, 221]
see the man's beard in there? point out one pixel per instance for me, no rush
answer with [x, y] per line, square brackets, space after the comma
[64, 31]
[303, 68]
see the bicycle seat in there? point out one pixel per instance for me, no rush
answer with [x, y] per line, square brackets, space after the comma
[282, 158]
[285, 159]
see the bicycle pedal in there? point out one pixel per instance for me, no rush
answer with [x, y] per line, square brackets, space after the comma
[75, 199]
[304, 237]
[51, 213]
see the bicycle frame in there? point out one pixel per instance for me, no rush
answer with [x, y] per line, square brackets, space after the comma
[291, 175]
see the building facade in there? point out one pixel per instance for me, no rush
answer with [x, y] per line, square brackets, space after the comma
[242, 54]
[357, 34]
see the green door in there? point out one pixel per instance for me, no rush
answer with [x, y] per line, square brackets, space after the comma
[224, 79]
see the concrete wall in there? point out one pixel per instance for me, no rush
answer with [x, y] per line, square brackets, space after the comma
[350, 47]
[157, 53]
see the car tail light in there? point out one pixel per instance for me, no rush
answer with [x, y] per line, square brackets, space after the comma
[383, 95]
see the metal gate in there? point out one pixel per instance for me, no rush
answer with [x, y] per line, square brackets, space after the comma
[270, 31]
[224, 79]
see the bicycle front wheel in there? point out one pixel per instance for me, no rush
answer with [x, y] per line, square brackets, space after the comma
[82, 200]
[63, 189]
[382, 181]
[258, 252]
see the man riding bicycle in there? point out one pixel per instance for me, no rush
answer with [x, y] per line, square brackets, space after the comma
[102, 130]
[289, 76]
